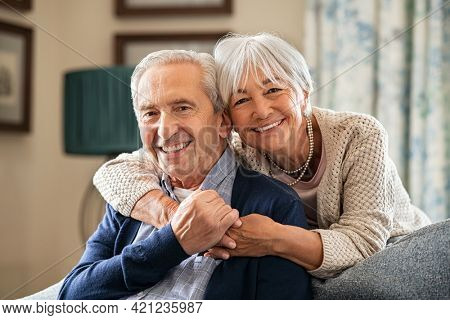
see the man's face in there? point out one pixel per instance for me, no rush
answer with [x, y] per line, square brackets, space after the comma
[177, 121]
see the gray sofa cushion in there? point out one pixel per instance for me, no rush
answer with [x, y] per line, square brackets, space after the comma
[50, 293]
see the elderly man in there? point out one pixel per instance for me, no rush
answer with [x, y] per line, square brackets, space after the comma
[184, 130]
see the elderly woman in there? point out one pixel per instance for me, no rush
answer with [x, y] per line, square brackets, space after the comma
[356, 205]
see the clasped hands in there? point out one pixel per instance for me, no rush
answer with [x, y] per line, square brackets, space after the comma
[204, 222]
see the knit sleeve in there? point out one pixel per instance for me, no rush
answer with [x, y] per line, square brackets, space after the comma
[367, 207]
[125, 179]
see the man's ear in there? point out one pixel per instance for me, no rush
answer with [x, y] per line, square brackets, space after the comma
[225, 125]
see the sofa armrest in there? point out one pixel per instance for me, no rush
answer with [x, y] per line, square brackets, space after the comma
[50, 293]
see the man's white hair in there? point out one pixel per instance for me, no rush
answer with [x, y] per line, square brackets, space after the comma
[204, 60]
[238, 56]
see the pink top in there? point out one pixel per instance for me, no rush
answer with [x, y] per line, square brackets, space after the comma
[307, 190]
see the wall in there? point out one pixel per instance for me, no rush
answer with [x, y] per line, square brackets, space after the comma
[41, 187]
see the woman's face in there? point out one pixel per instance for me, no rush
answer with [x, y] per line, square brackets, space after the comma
[266, 117]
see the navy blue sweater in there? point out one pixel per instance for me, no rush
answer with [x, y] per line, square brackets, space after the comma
[112, 267]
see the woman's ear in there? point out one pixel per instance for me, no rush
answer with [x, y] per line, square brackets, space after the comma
[304, 103]
[305, 95]
[225, 125]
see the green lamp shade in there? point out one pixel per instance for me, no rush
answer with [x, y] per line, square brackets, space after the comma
[98, 112]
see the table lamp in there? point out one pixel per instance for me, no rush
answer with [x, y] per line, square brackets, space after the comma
[98, 120]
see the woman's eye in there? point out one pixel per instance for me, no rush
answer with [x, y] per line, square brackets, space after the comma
[240, 101]
[273, 90]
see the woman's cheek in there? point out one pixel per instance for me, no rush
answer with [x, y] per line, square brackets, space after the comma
[240, 121]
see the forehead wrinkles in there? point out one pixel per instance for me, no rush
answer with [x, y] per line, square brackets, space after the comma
[151, 88]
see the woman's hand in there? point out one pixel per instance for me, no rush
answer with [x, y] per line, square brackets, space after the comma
[155, 208]
[254, 238]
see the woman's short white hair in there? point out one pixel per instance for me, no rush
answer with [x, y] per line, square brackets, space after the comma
[238, 56]
[162, 57]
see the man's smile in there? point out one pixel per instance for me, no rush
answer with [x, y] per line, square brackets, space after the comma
[175, 148]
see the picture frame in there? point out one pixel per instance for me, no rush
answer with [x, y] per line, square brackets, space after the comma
[129, 49]
[21, 5]
[15, 77]
[172, 7]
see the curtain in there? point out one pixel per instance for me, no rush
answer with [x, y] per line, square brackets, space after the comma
[391, 59]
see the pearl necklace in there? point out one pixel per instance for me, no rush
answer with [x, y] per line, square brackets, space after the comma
[304, 166]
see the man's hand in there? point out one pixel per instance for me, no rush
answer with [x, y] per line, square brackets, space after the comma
[202, 220]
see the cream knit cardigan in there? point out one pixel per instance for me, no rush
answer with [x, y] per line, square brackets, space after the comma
[361, 201]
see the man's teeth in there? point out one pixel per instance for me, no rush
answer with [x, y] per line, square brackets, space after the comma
[175, 148]
[270, 126]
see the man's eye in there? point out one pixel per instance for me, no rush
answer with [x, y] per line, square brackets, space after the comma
[241, 101]
[183, 108]
[149, 115]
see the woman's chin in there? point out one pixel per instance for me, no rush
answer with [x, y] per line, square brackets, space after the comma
[269, 142]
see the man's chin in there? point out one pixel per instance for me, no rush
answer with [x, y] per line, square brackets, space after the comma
[179, 171]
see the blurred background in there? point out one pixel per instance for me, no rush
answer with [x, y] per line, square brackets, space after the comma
[388, 58]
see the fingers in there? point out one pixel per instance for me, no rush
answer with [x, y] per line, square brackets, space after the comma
[226, 242]
[221, 208]
[208, 195]
[218, 253]
[237, 224]
[228, 219]
[216, 203]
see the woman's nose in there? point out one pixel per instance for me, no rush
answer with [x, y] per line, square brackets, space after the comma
[262, 107]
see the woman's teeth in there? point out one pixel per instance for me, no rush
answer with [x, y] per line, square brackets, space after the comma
[175, 148]
[268, 127]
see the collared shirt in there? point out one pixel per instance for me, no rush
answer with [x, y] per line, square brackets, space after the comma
[189, 279]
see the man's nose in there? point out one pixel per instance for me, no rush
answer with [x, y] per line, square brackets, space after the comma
[168, 126]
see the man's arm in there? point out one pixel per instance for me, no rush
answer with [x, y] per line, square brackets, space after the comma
[130, 183]
[102, 275]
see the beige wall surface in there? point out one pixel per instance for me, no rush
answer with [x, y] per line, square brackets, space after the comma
[40, 186]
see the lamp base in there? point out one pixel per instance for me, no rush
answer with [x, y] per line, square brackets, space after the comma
[91, 213]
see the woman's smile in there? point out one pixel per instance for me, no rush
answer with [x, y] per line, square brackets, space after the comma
[267, 128]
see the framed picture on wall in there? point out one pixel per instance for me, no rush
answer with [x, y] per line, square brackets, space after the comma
[172, 7]
[15, 77]
[131, 48]
[21, 5]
